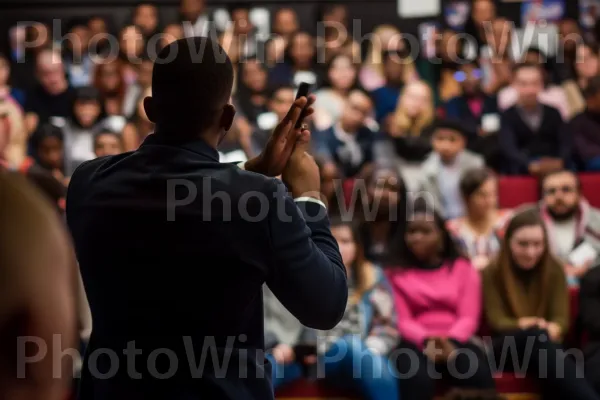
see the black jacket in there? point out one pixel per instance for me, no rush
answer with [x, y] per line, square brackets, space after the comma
[520, 145]
[170, 270]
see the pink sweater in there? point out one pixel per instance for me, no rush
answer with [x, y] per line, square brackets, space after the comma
[444, 302]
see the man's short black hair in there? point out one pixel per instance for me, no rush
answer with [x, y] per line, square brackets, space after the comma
[452, 125]
[192, 80]
[593, 87]
[525, 65]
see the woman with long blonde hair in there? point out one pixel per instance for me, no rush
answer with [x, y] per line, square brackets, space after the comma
[384, 38]
[408, 130]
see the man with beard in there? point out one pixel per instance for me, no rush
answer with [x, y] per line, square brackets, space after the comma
[573, 225]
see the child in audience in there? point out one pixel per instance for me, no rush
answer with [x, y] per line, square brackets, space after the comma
[479, 232]
[527, 306]
[437, 294]
[49, 151]
[108, 143]
[355, 351]
[443, 168]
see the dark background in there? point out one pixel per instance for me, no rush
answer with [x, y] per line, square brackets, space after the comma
[370, 12]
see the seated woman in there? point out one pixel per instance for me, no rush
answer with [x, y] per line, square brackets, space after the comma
[386, 189]
[408, 139]
[589, 307]
[480, 230]
[355, 351]
[437, 294]
[527, 308]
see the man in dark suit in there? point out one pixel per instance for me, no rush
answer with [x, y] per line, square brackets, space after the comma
[533, 138]
[174, 247]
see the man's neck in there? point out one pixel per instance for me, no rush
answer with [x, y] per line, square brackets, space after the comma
[63, 87]
[530, 108]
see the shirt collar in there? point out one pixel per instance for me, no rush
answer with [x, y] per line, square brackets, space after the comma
[196, 145]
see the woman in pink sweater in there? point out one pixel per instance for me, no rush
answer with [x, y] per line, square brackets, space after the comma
[437, 294]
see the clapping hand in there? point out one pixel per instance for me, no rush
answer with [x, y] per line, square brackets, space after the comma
[280, 145]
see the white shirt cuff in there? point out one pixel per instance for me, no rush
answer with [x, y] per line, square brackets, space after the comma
[242, 165]
[310, 200]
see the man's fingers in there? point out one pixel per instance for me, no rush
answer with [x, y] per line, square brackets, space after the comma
[293, 114]
[303, 142]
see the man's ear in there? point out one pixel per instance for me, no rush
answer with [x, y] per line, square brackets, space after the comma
[227, 117]
[150, 108]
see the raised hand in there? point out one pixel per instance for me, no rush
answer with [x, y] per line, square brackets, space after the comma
[301, 174]
[278, 150]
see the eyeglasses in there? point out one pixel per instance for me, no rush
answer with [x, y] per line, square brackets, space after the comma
[554, 190]
[461, 76]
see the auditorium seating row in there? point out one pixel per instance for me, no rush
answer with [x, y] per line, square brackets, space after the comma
[513, 192]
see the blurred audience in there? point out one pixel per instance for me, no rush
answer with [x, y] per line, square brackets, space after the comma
[573, 225]
[585, 129]
[349, 143]
[437, 295]
[533, 137]
[368, 330]
[480, 231]
[527, 308]
[444, 166]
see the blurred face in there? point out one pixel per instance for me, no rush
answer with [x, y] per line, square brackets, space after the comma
[275, 49]
[87, 112]
[4, 71]
[171, 33]
[483, 11]
[415, 100]
[342, 73]
[51, 73]
[338, 15]
[345, 240]
[358, 108]
[303, 49]
[569, 34]
[132, 42]
[527, 246]
[484, 199]
[241, 21]
[107, 144]
[447, 143]
[281, 102]
[384, 190]
[192, 9]
[146, 17]
[529, 84]
[109, 78]
[51, 152]
[561, 195]
[423, 237]
[97, 26]
[255, 76]
[450, 49]
[80, 39]
[286, 22]
[144, 77]
[38, 35]
[393, 69]
[502, 34]
[469, 77]
[587, 62]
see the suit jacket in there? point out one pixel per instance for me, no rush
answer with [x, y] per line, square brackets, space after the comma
[520, 144]
[174, 248]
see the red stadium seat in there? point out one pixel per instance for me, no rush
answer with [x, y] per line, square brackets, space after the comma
[590, 184]
[514, 191]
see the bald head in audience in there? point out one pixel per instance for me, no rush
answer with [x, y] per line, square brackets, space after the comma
[38, 291]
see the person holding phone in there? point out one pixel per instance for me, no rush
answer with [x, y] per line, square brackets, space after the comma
[184, 229]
